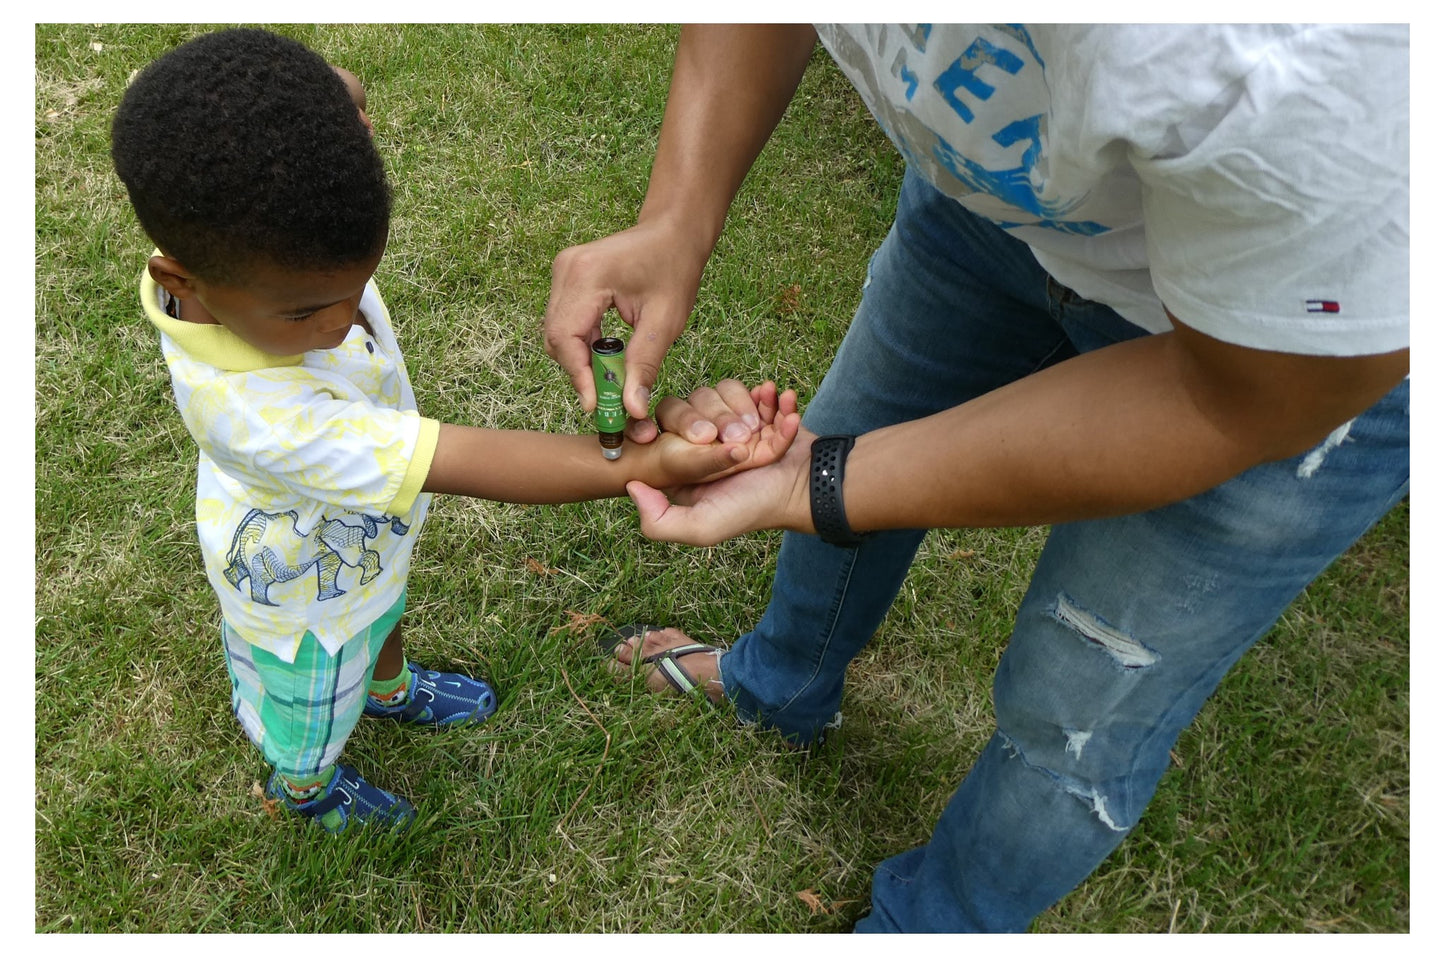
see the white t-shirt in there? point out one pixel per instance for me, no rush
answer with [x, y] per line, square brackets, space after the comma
[1253, 179]
[308, 488]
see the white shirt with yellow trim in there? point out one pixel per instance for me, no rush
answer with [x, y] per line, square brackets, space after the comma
[308, 487]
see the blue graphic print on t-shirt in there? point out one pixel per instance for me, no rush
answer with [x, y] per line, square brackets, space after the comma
[963, 89]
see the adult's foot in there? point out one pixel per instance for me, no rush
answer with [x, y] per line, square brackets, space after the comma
[672, 662]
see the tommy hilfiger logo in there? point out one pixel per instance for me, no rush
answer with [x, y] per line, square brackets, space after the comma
[1321, 305]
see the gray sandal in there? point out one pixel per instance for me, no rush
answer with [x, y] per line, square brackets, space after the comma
[666, 660]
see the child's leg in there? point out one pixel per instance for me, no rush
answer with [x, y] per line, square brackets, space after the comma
[391, 659]
[391, 679]
[300, 713]
[297, 713]
[405, 692]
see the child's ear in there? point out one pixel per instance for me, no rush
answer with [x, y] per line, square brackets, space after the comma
[171, 276]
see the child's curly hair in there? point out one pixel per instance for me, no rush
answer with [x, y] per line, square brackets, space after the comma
[242, 148]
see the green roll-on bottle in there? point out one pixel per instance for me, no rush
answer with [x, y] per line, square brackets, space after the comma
[611, 417]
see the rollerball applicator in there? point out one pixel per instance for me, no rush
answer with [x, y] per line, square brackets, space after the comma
[610, 416]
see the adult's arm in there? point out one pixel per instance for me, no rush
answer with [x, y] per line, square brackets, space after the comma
[1118, 430]
[730, 86]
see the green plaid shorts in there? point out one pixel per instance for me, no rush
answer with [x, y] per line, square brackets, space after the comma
[299, 714]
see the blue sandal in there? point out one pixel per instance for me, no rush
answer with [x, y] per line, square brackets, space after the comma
[353, 800]
[439, 698]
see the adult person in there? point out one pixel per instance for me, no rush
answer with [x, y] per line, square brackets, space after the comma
[1147, 284]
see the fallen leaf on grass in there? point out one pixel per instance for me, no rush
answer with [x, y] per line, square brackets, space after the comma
[816, 905]
[271, 805]
[961, 555]
[578, 622]
[814, 902]
[792, 298]
[537, 568]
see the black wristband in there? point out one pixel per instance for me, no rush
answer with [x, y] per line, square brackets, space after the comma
[825, 491]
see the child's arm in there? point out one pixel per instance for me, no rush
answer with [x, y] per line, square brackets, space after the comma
[542, 468]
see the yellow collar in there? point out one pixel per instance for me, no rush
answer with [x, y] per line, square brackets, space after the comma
[214, 345]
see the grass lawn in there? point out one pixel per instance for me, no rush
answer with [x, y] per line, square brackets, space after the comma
[586, 805]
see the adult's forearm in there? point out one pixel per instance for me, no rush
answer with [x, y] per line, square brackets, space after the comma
[1116, 431]
[730, 87]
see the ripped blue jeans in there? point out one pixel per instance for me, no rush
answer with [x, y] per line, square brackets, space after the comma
[1128, 625]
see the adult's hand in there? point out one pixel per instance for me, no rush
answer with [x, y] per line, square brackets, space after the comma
[651, 279]
[730, 85]
[774, 496]
[730, 411]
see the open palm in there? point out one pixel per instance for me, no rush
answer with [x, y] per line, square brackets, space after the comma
[755, 494]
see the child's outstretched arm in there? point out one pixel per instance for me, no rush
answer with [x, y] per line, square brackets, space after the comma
[543, 468]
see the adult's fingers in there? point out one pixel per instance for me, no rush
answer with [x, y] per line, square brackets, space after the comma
[663, 521]
[653, 333]
[574, 319]
[574, 355]
[641, 431]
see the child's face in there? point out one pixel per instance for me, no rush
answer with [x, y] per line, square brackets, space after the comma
[286, 312]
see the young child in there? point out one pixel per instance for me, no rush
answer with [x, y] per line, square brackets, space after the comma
[249, 162]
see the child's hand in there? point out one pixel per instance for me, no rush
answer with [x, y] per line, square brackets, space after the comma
[727, 412]
[758, 424]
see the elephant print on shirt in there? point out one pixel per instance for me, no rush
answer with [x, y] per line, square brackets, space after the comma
[269, 548]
